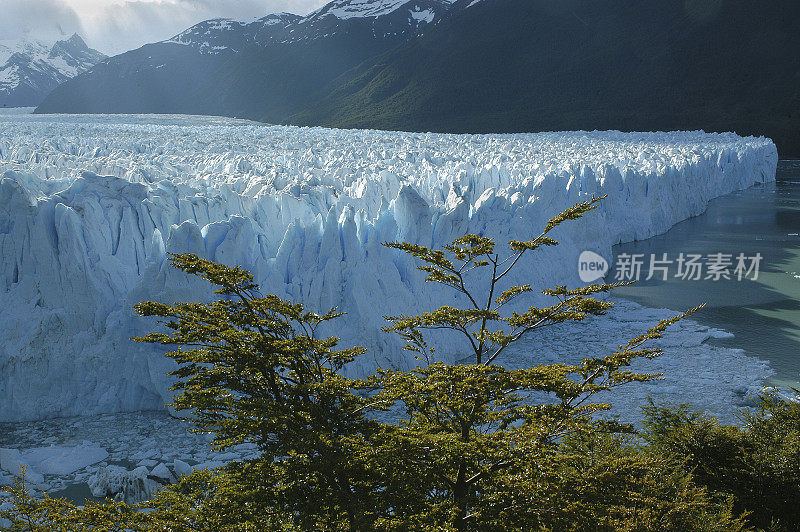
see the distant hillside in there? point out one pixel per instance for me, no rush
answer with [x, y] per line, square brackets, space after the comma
[30, 69]
[538, 65]
[475, 66]
[265, 69]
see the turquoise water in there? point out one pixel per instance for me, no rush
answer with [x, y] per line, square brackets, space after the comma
[762, 314]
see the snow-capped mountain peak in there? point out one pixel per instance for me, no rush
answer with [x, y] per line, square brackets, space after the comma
[280, 18]
[30, 68]
[217, 35]
[388, 18]
[346, 9]
[414, 11]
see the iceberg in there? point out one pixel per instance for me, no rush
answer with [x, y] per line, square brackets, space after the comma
[53, 460]
[91, 205]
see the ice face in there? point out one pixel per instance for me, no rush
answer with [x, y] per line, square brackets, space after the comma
[92, 204]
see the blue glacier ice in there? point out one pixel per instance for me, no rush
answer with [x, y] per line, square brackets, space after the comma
[92, 204]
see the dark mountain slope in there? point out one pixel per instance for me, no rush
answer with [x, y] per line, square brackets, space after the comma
[259, 82]
[265, 69]
[532, 65]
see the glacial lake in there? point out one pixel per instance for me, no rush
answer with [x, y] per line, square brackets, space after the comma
[762, 314]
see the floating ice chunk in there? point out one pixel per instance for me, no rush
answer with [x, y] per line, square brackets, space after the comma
[181, 468]
[53, 460]
[11, 460]
[161, 472]
[56, 460]
[120, 484]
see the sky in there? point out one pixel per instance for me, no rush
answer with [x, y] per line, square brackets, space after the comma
[115, 26]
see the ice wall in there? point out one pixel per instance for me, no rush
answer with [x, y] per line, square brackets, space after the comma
[90, 206]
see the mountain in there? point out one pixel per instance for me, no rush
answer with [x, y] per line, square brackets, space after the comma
[539, 65]
[265, 69]
[31, 69]
[475, 66]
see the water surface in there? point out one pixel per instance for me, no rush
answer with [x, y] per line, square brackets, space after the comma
[762, 314]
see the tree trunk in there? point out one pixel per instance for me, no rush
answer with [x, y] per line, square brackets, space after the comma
[460, 491]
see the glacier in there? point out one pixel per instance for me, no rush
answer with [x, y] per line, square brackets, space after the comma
[92, 204]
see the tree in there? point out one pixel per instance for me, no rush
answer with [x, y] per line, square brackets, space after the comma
[46, 514]
[601, 482]
[252, 369]
[470, 425]
[755, 464]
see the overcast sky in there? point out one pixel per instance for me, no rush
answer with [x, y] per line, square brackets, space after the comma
[114, 26]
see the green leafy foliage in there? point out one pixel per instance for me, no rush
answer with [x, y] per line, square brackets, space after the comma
[457, 264]
[47, 514]
[756, 464]
[252, 368]
[600, 482]
[471, 424]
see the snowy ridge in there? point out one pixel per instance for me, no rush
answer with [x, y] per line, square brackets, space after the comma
[30, 69]
[93, 203]
[387, 18]
[345, 9]
[203, 33]
[32, 52]
[213, 36]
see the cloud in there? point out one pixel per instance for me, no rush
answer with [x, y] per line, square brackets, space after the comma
[115, 26]
[43, 19]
